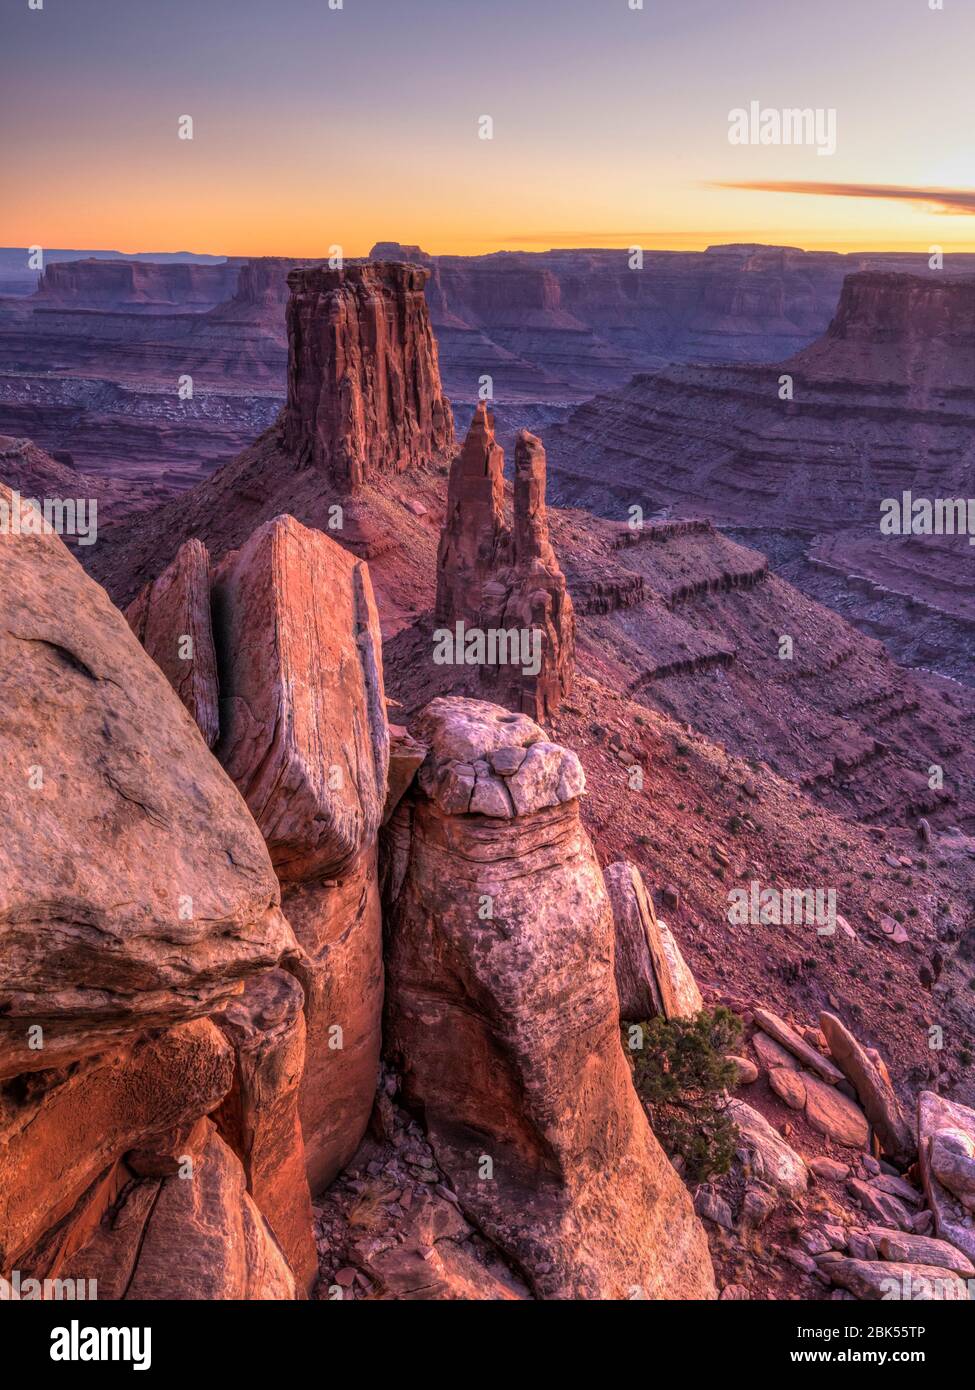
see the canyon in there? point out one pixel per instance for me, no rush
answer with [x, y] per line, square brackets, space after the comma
[92, 356]
[354, 1031]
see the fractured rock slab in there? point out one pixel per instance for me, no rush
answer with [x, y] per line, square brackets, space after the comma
[876, 1094]
[171, 618]
[303, 719]
[651, 975]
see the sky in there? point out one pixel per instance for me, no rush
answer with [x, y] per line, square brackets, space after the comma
[318, 127]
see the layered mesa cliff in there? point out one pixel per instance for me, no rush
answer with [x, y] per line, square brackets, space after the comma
[549, 328]
[883, 402]
[136, 286]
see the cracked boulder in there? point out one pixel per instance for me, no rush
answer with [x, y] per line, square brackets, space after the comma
[194, 1235]
[135, 890]
[503, 1020]
[303, 716]
[171, 618]
[304, 735]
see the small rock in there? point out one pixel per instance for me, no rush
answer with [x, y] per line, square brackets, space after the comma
[734, 1293]
[801, 1261]
[710, 1207]
[746, 1069]
[860, 1246]
[815, 1242]
[829, 1169]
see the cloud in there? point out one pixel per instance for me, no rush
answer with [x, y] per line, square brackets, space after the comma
[957, 201]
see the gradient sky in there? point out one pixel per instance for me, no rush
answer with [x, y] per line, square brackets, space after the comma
[316, 127]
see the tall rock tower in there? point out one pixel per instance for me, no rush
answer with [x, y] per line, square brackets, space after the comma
[364, 390]
[494, 576]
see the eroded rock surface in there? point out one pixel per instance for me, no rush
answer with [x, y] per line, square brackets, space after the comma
[364, 394]
[503, 1018]
[135, 890]
[171, 618]
[265, 1026]
[199, 1237]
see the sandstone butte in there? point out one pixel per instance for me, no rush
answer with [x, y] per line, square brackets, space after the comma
[364, 393]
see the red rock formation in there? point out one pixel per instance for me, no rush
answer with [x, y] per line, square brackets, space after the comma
[494, 577]
[265, 1026]
[474, 541]
[172, 1238]
[137, 896]
[304, 736]
[364, 394]
[340, 967]
[171, 618]
[135, 891]
[500, 947]
[651, 975]
[69, 1128]
[303, 720]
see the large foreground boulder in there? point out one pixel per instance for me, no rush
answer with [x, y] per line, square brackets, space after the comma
[135, 890]
[503, 1020]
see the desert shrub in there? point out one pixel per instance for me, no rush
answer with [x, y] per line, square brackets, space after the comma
[682, 1074]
